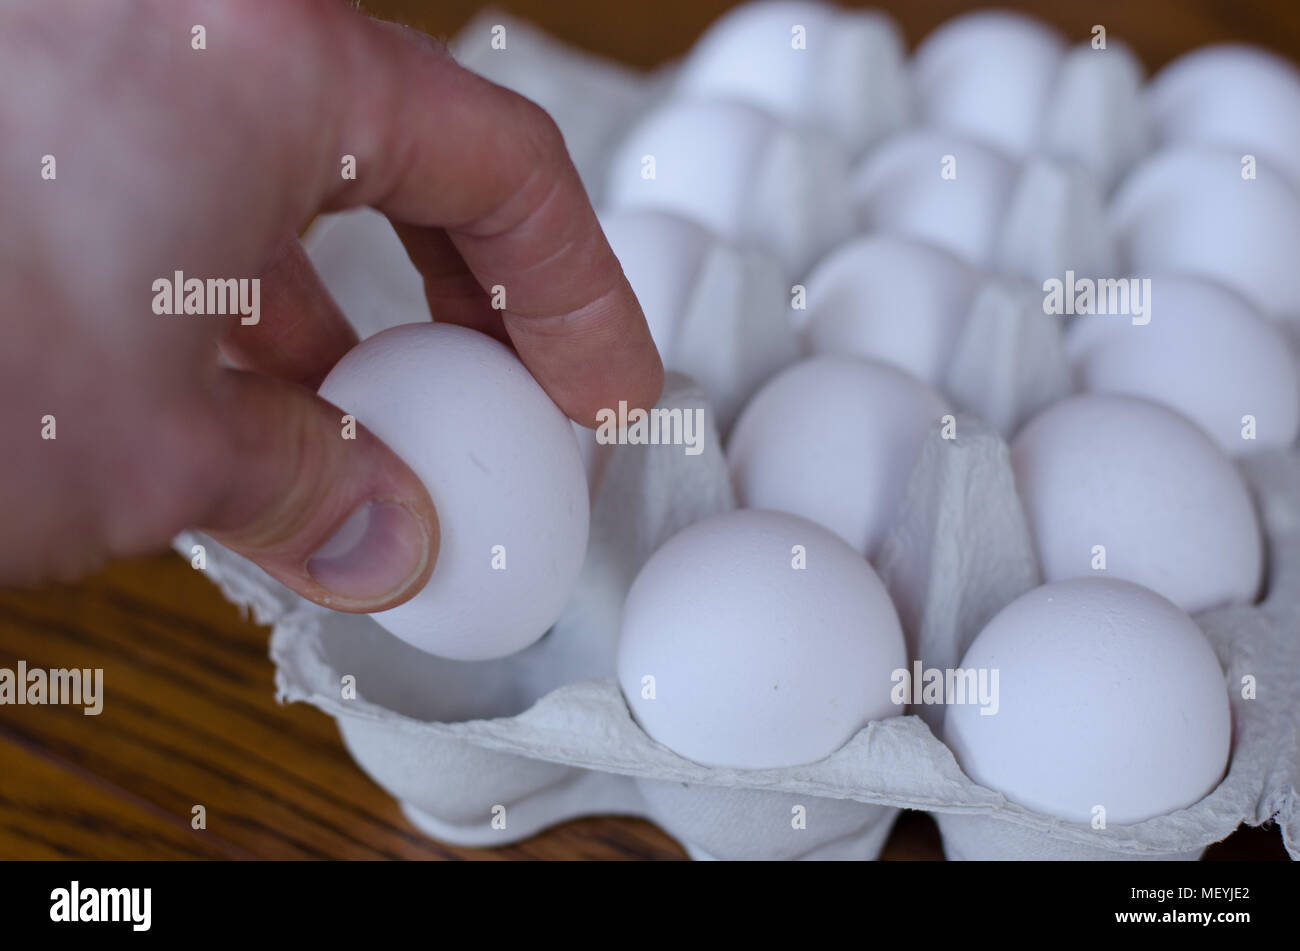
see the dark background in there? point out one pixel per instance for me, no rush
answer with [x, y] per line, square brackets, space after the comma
[189, 716]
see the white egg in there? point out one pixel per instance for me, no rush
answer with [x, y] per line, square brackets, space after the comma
[1238, 97]
[757, 639]
[1108, 696]
[806, 62]
[1032, 220]
[1206, 353]
[1192, 211]
[739, 172]
[503, 469]
[892, 299]
[718, 313]
[989, 75]
[939, 188]
[1009, 81]
[834, 439]
[1123, 487]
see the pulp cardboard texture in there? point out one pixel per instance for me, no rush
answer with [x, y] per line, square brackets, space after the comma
[489, 753]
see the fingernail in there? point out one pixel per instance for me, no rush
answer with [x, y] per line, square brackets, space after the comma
[378, 550]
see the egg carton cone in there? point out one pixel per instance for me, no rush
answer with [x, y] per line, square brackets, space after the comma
[486, 753]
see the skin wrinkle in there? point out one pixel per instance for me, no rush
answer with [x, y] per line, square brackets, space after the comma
[302, 333]
[329, 154]
[455, 286]
[483, 225]
[514, 216]
[570, 246]
[398, 138]
[485, 229]
[298, 524]
[392, 138]
[561, 325]
[293, 510]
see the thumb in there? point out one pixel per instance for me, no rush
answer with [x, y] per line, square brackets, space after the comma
[341, 521]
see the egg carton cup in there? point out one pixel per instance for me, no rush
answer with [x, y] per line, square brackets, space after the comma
[487, 753]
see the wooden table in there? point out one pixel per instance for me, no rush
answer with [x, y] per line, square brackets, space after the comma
[190, 719]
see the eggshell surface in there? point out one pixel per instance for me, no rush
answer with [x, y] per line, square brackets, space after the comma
[939, 188]
[803, 61]
[503, 468]
[1191, 211]
[1151, 488]
[739, 171]
[734, 656]
[834, 439]
[989, 75]
[1205, 353]
[891, 299]
[1109, 698]
[1231, 95]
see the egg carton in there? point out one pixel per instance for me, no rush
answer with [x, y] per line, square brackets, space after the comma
[487, 753]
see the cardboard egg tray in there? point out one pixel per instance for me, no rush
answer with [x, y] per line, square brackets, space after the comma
[487, 753]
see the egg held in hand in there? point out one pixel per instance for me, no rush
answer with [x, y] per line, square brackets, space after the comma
[502, 466]
[1111, 705]
[758, 639]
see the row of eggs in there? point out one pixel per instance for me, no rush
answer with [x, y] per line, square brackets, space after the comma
[1113, 695]
[791, 150]
[768, 635]
[727, 317]
[997, 77]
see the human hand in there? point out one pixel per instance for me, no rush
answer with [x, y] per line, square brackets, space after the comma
[209, 161]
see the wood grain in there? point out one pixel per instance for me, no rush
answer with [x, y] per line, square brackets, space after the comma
[189, 716]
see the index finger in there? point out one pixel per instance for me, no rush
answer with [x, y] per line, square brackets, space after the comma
[438, 146]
